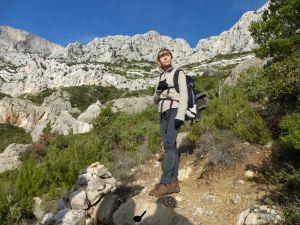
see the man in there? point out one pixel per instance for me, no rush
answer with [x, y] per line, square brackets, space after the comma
[172, 107]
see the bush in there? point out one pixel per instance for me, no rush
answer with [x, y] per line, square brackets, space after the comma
[284, 80]
[291, 124]
[206, 83]
[39, 97]
[278, 31]
[134, 136]
[286, 178]
[85, 95]
[11, 134]
[254, 84]
[126, 131]
[232, 111]
[2, 95]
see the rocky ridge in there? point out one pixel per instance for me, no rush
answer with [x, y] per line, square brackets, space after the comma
[29, 64]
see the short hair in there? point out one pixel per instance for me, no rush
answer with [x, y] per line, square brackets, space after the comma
[162, 52]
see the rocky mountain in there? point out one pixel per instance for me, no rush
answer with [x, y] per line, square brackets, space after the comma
[22, 41]
[236, 39]
[29, 64]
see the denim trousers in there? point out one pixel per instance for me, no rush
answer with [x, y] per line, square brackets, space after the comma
[172, 155]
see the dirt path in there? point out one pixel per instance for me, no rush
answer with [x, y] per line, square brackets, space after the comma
[214, 201]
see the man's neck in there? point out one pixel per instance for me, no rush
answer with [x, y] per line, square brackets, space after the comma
[167, 68]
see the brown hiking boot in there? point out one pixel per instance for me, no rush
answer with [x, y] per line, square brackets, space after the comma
[160, 189]
[174, 187]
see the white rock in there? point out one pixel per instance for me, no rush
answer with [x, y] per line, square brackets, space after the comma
[78, 200]
[10, 158]
[249, 174]
[70, 217]
[184, 173]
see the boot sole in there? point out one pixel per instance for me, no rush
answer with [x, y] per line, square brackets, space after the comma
[169, 192]
[174, 191]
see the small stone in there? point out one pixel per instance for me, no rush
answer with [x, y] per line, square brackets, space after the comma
[178, 198]
[198, 211]
[89, 221]
[107, 189]
[95, 164]
[78, 200]
[94, 196]
[184, 173]
[92, 170]
[83, 179]
[112, 181]
[48, 219]
[96, 184]
[249, 174]
[241, 182]
[101, 170]
[210, 197]
[235, 199]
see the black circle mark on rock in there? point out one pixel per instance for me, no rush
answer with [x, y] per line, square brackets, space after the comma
[138, 218]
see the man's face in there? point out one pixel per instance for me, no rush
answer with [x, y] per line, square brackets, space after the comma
[165, 60]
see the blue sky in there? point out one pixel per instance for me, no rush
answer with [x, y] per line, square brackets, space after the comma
[65, 21]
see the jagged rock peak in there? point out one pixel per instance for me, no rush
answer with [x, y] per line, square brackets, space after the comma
[20, 40]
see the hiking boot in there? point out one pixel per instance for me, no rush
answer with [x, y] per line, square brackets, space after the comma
[160, 189]
[174, 187]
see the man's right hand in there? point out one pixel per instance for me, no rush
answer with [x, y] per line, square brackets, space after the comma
[162, 85]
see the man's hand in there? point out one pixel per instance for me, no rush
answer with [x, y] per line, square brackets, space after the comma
[156, 99]
[178, 124]
[162, 85]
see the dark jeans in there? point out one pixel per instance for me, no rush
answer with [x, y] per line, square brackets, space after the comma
[171, 156]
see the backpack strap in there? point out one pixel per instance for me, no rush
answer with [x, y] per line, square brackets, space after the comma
[175, 82]
[175, 79]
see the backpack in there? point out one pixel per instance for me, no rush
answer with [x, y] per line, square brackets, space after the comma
[196, 102]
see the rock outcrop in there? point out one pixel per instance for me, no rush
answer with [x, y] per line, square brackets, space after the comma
[242, 67]
[10, 158]
[57, 110]
[236, 39]
[259, 215]
[91, 199]
[22, 41]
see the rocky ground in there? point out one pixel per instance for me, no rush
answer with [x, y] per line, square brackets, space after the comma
[216, 198]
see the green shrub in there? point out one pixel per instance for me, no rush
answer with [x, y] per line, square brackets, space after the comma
[11, 207]
[11, 134]
[285, 178]
[284, 80]
[2, 95]
[126, 131]
[278, 31]
[254, 84]
[232, 111]
[58, 170]
[39, 97]
[85, 95]
[208, 84]
[114, 134]
[291, 124]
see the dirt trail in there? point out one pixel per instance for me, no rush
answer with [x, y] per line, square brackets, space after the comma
[214, 201]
